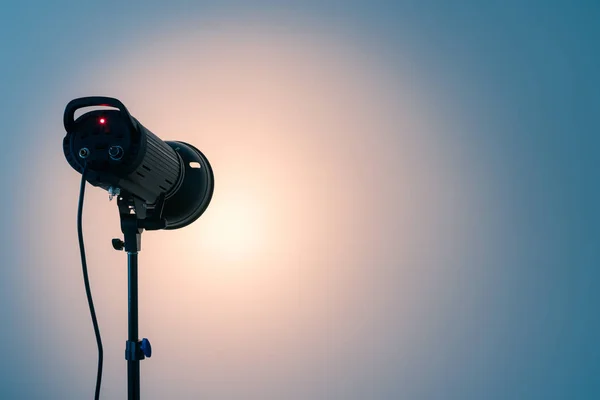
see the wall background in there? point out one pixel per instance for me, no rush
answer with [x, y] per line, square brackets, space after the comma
[405, 204]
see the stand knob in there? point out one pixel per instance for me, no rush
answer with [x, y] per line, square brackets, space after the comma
[118, 244]
[146, 348]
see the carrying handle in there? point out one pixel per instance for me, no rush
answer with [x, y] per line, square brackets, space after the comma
[76, 104]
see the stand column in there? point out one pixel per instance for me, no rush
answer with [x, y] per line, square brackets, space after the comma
[135, 351]
[133, 365]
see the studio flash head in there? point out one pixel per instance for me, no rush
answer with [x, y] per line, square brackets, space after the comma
[169, 182]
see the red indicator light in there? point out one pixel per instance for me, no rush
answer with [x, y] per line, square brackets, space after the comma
[102, 120]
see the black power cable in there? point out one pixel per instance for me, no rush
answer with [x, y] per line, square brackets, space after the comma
[86, 281]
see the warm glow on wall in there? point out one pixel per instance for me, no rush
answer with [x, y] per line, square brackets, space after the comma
[236, 228]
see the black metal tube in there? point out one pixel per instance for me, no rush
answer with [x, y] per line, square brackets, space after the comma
[133, 366]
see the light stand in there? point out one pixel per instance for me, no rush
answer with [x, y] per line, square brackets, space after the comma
[133, 222]
[158, 185]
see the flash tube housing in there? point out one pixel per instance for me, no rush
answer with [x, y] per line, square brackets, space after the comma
[119, 152]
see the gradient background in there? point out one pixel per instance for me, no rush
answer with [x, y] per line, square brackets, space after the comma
[406, 201]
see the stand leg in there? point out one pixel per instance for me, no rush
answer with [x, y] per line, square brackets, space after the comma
[133, 366]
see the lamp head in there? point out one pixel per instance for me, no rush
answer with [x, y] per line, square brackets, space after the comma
[173, 180]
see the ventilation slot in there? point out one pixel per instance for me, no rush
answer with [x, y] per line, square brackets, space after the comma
[140, 174]
[146, 168]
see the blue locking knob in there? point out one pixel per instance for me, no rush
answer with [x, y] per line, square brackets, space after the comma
[146, 348]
